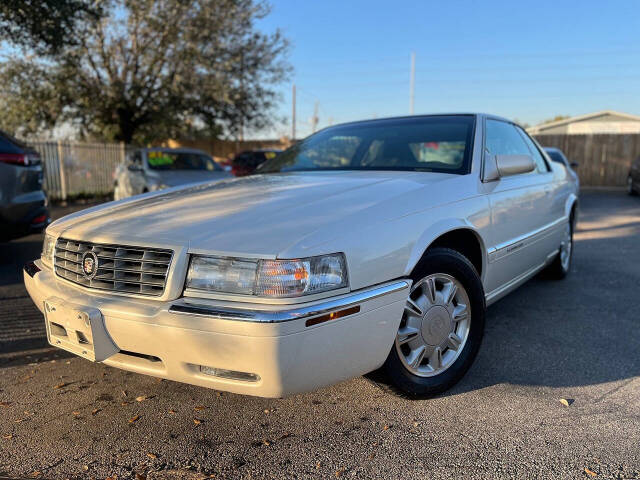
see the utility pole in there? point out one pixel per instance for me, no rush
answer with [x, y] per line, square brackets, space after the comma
[314, 119]
[412, 82]
[293, 114]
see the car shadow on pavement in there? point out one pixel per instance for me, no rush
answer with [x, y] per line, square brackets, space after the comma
[13, 256]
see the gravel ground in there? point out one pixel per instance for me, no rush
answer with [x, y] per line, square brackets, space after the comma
[577, 340]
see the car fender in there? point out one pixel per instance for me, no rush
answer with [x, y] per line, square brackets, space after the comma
[435, 231]
[572, 199]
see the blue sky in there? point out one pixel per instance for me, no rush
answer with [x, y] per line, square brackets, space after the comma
[524, 60]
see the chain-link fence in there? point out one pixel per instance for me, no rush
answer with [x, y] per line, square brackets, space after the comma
[73, 169]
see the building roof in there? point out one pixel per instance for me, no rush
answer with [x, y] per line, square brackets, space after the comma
[580, 118]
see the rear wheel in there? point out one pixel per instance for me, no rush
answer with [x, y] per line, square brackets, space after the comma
[630, 189]
[441, 327]
[561, 265]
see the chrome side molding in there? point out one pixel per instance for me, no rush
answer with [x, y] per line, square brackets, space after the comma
[275, 316]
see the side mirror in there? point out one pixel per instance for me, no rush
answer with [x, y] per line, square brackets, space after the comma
[574, 165]
[132, 167]
[514, 164]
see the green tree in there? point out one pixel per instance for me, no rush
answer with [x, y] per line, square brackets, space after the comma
[150, 70]
[44, 25]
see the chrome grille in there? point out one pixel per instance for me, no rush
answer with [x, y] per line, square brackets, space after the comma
[121, 268]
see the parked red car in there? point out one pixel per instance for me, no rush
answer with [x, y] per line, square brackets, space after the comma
[245, 163]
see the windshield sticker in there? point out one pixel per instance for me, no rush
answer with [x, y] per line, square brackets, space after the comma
[157, 159]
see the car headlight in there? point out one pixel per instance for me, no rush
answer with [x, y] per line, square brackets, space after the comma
[268, 278]
[48, 248]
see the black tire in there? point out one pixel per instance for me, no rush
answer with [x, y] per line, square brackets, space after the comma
[442, 260]
[630, 190]
[555, 270]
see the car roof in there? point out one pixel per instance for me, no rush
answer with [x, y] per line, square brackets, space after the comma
[17, 146]
[174, 150]
[415, 117]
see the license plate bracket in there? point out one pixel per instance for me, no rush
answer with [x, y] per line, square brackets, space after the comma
[78, 329]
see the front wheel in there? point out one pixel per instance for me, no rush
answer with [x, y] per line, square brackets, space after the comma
[441, 327]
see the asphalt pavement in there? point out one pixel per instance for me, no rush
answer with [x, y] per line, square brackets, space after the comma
[554, 393]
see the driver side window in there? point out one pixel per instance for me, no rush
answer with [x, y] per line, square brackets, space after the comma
[541, 165]
[503, 139]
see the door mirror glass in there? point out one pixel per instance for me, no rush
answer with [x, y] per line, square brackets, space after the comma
[514, 164]
[132, 167]
[574, 165]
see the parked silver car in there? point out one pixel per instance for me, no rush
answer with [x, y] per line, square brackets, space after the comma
[151, 169]
[558, 156]
[23, 204]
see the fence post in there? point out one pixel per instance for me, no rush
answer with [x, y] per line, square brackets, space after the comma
[122, 152]
[63, 177]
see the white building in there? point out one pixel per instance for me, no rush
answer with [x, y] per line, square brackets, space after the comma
[606, 121]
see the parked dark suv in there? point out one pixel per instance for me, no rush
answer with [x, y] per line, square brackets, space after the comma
[633, 180]
[23, 204]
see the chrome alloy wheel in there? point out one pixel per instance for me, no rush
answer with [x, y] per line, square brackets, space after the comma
[435, 325]
[565, 248]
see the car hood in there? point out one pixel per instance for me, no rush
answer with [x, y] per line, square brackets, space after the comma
[261, 215]
[174, 178]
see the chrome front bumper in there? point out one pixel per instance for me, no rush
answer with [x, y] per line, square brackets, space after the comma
[283, 349]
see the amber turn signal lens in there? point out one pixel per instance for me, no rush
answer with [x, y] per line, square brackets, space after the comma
[332, 316]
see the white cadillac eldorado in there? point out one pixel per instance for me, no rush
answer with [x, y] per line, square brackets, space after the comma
[369, 245]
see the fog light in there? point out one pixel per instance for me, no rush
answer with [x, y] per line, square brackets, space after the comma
[230, 374]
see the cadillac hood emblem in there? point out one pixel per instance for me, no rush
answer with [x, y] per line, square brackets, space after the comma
[89, 265]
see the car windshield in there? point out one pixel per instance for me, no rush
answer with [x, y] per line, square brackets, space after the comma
[162, 160]
[430, 144]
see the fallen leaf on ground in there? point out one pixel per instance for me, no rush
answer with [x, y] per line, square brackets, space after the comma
[566, 401]
[8, 437]
[125, 403]
[266, 442]
[85, 467]
[134, 419]
[124, 393]
[386, 427]
[199, 407]
[152, 455]
[197, 421]
[140, 476]
[60, 385]
[172, 412]
[75, 412]
[590, 472]
[266, 410]
[340, 472]
[141, 398]
[5, 404]
[415, 424]
[95, 410]
[36, 473]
